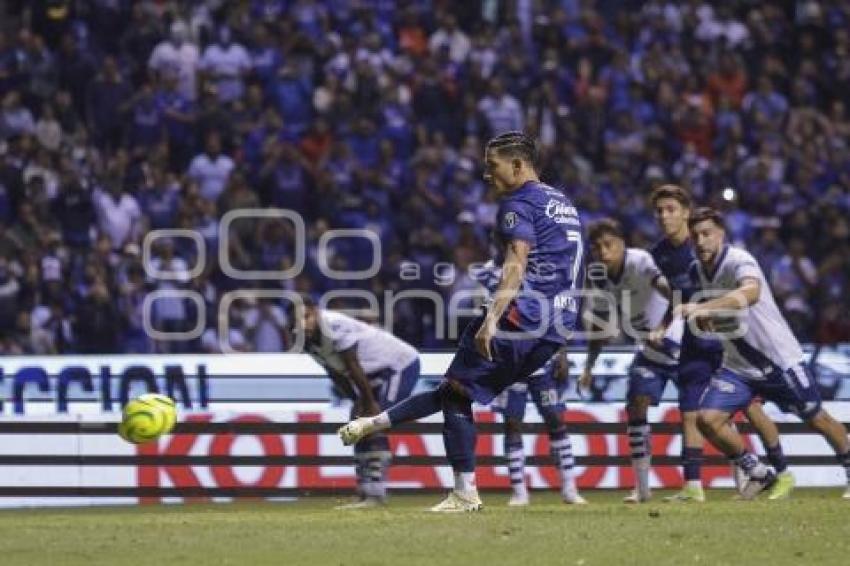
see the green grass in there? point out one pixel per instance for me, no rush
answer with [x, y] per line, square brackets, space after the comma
[813, 527]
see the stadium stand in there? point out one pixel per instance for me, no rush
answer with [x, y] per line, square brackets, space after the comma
[119, 118]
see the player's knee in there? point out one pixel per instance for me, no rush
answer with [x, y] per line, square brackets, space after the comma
[690, 418]
[709, 421]
[453, 395]
[821, 420]
[638, 407]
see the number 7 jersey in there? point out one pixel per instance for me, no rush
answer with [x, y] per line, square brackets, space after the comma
[546, 219]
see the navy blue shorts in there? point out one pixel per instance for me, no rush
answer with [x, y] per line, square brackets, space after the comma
[793, 391]
[547, 392]
[389, 387]
[648, 379]
[696, 368]
[513, 361]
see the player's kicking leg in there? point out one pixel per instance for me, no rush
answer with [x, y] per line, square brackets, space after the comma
[458, 437]
[469, 377]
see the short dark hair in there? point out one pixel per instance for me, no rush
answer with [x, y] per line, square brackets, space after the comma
[603, 227]
[674, 192]
[705, 213]
[515, 145]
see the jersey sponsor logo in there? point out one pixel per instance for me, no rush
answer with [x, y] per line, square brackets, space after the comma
[561, 213]
[510, 220]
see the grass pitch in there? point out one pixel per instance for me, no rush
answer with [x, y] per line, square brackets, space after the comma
[813, 527]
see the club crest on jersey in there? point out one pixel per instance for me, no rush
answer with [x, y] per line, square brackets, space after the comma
[510, 220]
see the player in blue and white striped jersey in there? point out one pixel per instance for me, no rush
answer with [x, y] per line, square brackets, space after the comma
[632, 296]
[700, 357]
[761, 356]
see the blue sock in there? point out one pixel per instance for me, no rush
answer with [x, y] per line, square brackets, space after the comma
[459, 433]
[844, 460]
[751, 465]
[692, 463]
[416, 407]
[777, 458]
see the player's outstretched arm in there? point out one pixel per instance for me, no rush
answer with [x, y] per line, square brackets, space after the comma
[746, 294]
[360, 381]
[513, 270]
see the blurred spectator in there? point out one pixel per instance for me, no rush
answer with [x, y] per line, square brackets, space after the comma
[118, 212]
[793, 278]
[211, 169]
[97, 324]
[502, 111]
[226, 63]
[177, 58]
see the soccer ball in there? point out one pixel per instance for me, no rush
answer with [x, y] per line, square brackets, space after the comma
[147, 417]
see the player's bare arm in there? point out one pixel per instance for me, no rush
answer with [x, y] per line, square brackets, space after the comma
[343, 383]
[747, 294]
[360, 381]
[656, 335]
[594, 348]
[513, 270]
[562, 364]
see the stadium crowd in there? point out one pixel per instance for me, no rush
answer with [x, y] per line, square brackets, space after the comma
[119, 117]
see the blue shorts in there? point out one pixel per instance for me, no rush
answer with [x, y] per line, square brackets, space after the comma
[389, 387]
[513, 361]
[547, 393]
[648, 379]
[696, 367]
[793, 391]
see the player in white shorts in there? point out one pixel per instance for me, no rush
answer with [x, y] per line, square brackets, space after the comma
[368, 365]
[761, 356]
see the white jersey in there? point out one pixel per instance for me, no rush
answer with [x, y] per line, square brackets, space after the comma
[767, 343]
[377, 349]
[639, 305]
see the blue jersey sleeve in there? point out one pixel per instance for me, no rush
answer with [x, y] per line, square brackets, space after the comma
[516, 222]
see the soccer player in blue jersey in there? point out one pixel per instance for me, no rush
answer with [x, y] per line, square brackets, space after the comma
[547, 390]
[761, 356]
[699, 357]
[532, 313]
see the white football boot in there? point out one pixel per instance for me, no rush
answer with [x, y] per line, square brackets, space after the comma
[458, 502]
[354, 431]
